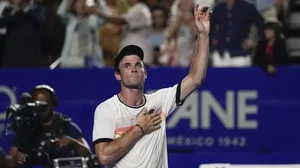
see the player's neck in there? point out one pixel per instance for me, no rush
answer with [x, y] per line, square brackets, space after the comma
[132, 97]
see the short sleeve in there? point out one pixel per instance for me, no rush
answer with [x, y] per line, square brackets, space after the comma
[138, 17]
[74, 131]
[104, 124]
[169, 98]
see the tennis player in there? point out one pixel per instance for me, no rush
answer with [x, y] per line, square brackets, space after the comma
[130, 128]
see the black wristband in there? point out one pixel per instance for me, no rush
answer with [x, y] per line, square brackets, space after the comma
[140, 128]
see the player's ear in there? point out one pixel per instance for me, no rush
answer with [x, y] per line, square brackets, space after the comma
[118, 76]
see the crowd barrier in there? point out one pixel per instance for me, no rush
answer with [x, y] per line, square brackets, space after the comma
[236, 110]
[222, 165]
[243, 159]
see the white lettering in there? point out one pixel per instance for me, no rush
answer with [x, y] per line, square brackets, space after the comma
[225, 112]
[8, 130]
[209, 141]
[179, 140]
[188, 141]
[245, 109]
[189, 110]
[171, 140]
[201, 141]
[209, 103]
[11, 95]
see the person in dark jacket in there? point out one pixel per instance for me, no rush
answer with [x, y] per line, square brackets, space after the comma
[22, 46]
[271, 49]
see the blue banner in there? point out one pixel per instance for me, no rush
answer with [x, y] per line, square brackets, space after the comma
[236, 110]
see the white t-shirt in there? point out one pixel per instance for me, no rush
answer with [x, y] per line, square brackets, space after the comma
[113, 119]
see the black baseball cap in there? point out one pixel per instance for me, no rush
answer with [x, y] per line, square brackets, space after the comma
[128, 50]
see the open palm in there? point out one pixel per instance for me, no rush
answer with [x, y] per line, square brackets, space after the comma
[202, 19]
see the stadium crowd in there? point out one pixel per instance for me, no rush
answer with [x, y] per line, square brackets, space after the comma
[89, 33]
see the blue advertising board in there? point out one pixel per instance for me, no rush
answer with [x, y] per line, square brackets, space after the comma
[235, 110]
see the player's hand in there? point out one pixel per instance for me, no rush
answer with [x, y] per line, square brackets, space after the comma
[149, 122]
[21, 157]
[202, 19]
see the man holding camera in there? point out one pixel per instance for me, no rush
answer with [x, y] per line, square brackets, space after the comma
[59, 135]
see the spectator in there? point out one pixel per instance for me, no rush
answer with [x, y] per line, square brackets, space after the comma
[81, 45]
[138, 27]
[169, 3]
[174, 7]
[181, 34]
[110, 34]
[282, 13]
[158, 33]
[271, 49]
[230, 29]
[53, 30]
[152, 3]
[23, 22]
[267, 8]
[157, 57]
[159, 16]
[3, 5]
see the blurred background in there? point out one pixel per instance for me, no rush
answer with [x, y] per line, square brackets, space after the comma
[246, 112]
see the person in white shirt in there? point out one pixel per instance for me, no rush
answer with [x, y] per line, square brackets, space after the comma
[138, 25]
[130, 128]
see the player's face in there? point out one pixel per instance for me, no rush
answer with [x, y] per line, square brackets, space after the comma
[43, 95]
[132, 72]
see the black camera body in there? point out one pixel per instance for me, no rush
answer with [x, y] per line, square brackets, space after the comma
[23, 116]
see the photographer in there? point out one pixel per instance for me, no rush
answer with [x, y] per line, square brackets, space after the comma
[64, 136]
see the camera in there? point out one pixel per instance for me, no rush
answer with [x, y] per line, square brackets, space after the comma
[23, 116]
